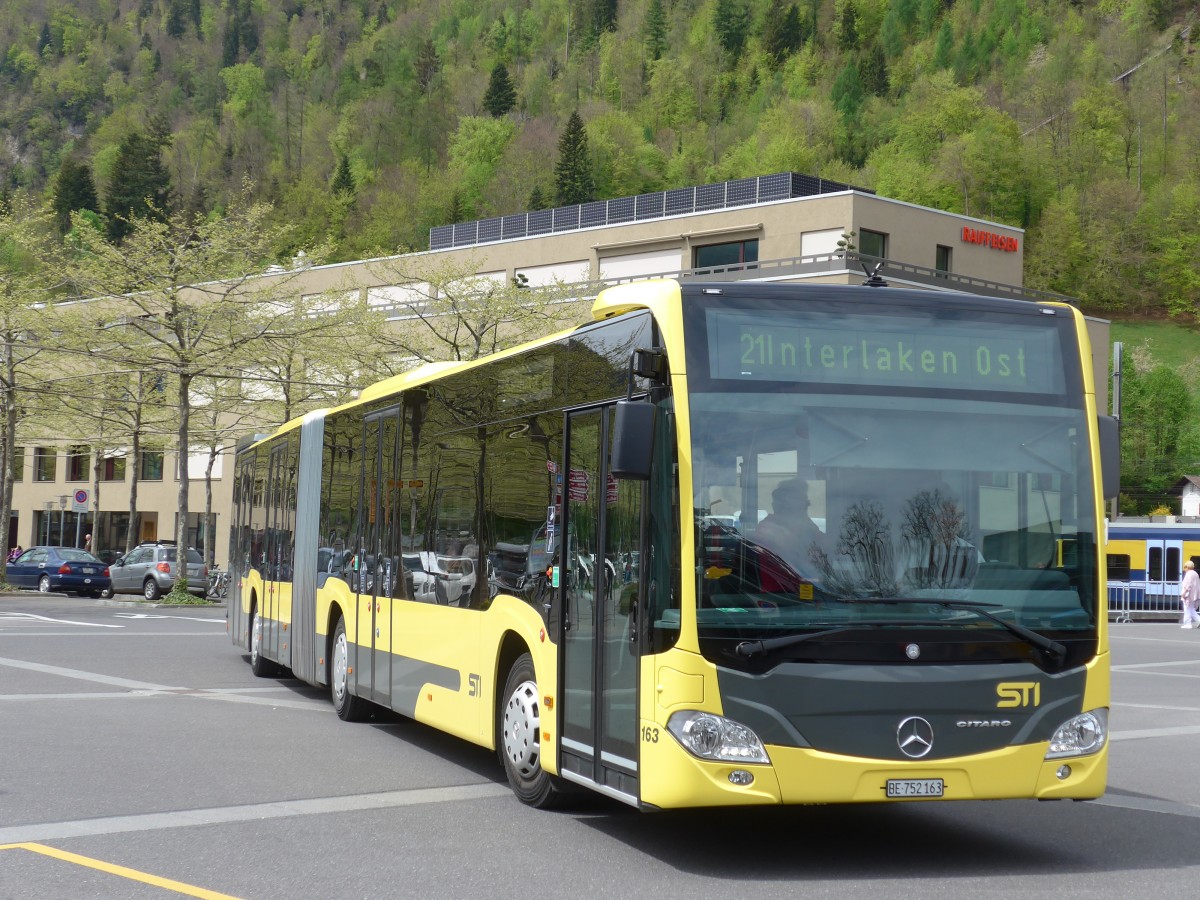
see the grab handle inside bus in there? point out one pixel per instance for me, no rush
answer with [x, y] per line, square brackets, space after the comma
[1110, 455]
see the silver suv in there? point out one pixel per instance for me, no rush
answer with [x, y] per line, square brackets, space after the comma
[150, 569]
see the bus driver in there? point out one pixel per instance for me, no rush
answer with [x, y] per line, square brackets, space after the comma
[787, 530]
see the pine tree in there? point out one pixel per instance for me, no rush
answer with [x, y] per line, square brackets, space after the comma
[427, 65]
[537, 200]
[176, 19]
[731, 21]
[343, 179]
[73, 189]
[500, 96]
[140, 186]
[783, 34]
[846, 24]
[574, 182]
[874, 71]
[654, 30]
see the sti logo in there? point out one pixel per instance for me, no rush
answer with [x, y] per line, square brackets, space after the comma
[1018, 693]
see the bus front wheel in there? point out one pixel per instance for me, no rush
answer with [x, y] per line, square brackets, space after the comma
[520, 739]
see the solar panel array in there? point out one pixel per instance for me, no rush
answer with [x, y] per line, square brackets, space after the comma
[641, 208]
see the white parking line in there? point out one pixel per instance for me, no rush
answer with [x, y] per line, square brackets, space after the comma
[86, 676]
[56, 831]
[22, 615]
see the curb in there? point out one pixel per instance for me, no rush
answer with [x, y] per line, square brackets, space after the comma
[128, 604]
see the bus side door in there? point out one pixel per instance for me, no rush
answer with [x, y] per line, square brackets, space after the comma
[602, 533]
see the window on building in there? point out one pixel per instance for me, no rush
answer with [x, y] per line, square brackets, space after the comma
[113, 469]
[872, 243]
[45, 463]
[77, 463]
[943, 259]
[18, 464]
[732, 253]
[152, 465]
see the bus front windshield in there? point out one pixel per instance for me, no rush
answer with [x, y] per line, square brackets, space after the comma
[855, 513]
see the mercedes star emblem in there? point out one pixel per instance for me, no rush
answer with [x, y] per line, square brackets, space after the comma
[914, 737]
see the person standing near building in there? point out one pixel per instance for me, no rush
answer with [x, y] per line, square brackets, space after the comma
[1189, 595]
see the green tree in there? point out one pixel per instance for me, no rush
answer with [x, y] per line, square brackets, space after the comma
[731, 21]
[186, 296]
[573, 178]
[845, 24]
[848, 93]
[343, 178]
[943, 48]
[875, 71]
[500, 96]
[1175, 261]
[654, 30]
[1158, 433]
[29, 265]
[783, 34]
[140, 186]
[456, 314]
[73, 189]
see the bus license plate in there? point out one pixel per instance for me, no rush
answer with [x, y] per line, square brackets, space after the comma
[915, 787]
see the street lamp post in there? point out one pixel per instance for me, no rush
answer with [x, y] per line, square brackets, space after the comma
[62, 518]
[49, 512]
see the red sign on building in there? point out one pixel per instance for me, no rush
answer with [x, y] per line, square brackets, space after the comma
[990, 239]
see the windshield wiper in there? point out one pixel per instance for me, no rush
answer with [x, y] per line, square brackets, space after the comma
[1057, 651]
[767, 645]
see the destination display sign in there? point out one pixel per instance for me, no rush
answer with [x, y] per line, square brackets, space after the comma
[874, 350]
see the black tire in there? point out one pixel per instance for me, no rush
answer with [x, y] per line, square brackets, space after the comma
[151, 591]
[348, 707]
[259, 664]
[519, 739]
[44, 584]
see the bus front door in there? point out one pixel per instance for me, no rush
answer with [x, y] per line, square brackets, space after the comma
[598, 553]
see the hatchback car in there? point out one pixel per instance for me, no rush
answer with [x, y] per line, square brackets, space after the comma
[150, 569]
[59, 569]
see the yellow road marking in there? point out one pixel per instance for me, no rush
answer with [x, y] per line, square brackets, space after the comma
[132, 874]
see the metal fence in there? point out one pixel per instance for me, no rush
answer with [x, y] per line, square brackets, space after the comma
[1134, 600]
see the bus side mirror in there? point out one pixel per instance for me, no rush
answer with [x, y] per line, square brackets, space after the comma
[1110, 455]
[633, 440]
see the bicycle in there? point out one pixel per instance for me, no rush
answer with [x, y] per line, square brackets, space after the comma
[218, 585]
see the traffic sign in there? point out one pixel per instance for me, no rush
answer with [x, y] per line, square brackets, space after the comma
[79, 501]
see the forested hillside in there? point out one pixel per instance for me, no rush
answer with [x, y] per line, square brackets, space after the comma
[366, 122]
[370, 120]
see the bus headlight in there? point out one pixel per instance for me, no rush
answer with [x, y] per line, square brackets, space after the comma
[1080, 735]
[710, 736]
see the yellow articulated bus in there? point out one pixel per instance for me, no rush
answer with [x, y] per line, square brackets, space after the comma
[726, 544]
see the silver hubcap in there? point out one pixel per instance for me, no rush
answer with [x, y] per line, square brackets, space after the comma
[149, 590]
[340, 655]
[44, 585]
[522, 730]
[255, 639]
